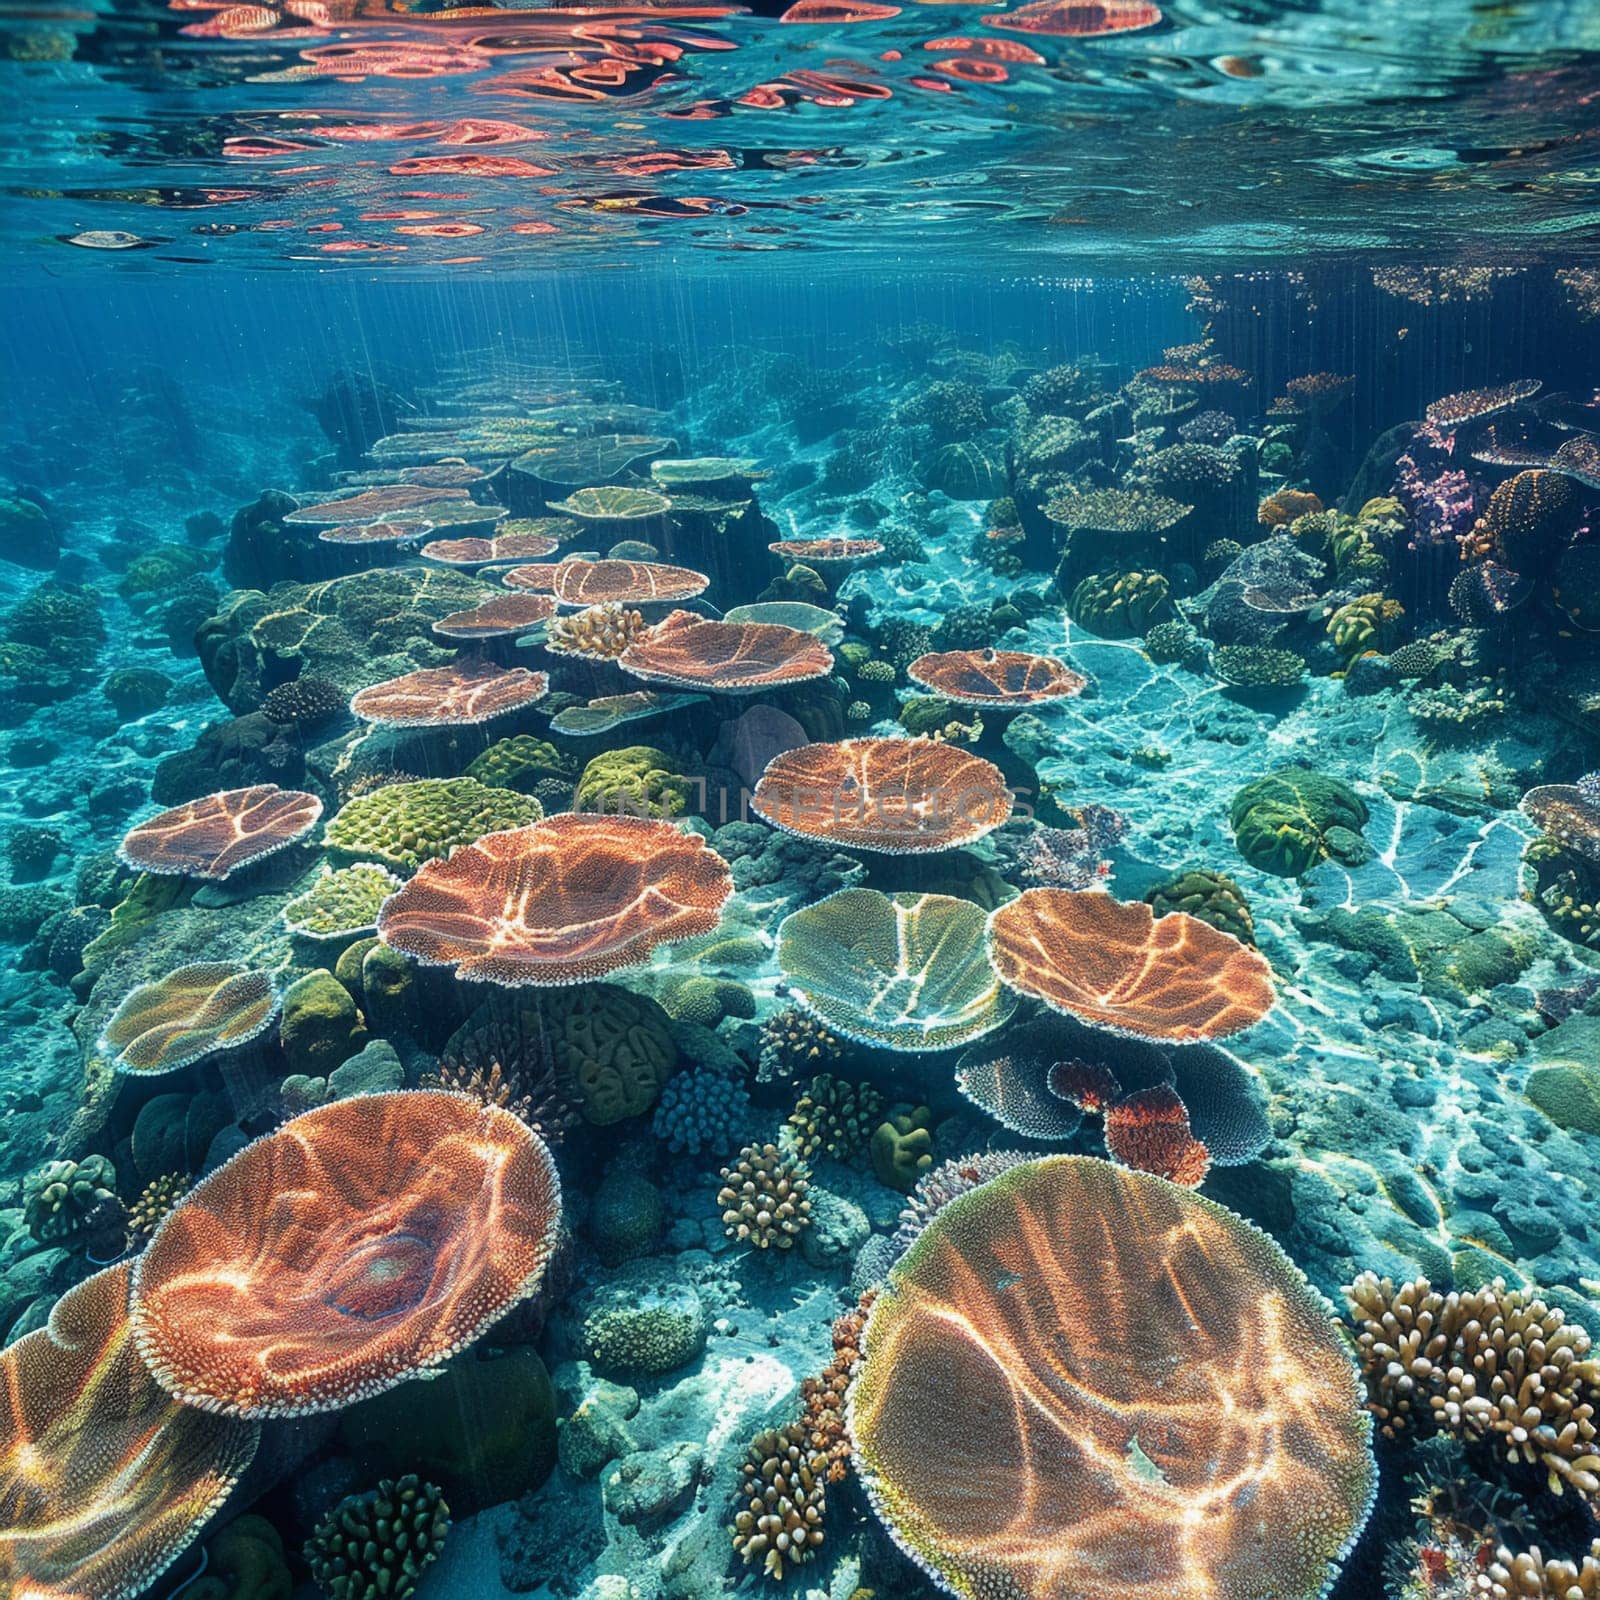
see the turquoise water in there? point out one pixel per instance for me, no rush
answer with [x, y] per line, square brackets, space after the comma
[799, 799]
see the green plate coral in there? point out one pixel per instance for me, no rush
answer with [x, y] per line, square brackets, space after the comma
[904, 971]
[188, 1015]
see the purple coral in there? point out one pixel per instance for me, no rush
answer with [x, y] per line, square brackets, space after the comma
[1442, 503]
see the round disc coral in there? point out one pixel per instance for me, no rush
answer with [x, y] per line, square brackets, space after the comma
[904, 971]
[466, 691]
[690, 652]
[898, 796]
[1084, 1381]
[385, 503]
[564, 901]
[104, 1478]
[995, 679]
[598, 583]
[1113, 964]
[360, 1244]
[188, 1015]
[219, 834]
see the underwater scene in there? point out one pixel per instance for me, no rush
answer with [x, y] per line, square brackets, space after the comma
[800, 801]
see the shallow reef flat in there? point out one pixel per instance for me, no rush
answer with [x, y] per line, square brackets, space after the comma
[970, 971]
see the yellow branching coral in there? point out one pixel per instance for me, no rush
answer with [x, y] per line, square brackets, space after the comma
[1532, 1577]
[1494, 1364]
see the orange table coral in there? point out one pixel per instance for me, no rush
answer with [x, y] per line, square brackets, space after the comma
[360, 1244]
[104, 1478]
[899, 796]
[566, 900]
[995, 679]
[1087, 1381]
[220, 833]
[1115, 965]
[691, 652]
[465, 692]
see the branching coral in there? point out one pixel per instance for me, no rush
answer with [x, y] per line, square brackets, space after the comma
[764, 1198]
[824, 1395]
[600, 633]
[834, 1116]
[1492, 1364]
[793, 1042]
[375, 1546]
[783, 1498]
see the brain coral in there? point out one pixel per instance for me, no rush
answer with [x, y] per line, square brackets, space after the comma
[904, 971]
[404, 824]
[562, 901]
[360, 1244]
[1149, 1400]
[1112, 964]
[1289, 821]
[104, 1479]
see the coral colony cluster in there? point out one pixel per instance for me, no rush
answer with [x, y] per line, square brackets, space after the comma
[996, 990]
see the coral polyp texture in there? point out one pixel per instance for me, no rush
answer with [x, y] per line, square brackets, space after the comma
[361, 1244]
[191, 1013]
[563, 901]
[1148, 1399]
[218, 835]
[466, 692]
[903, 971]
[895, 796]
[996, 679]
[1115, 965]
[502, 617]
[691, 652]
[105, 1479]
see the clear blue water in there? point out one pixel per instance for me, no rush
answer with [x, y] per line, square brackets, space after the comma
[793, 796]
